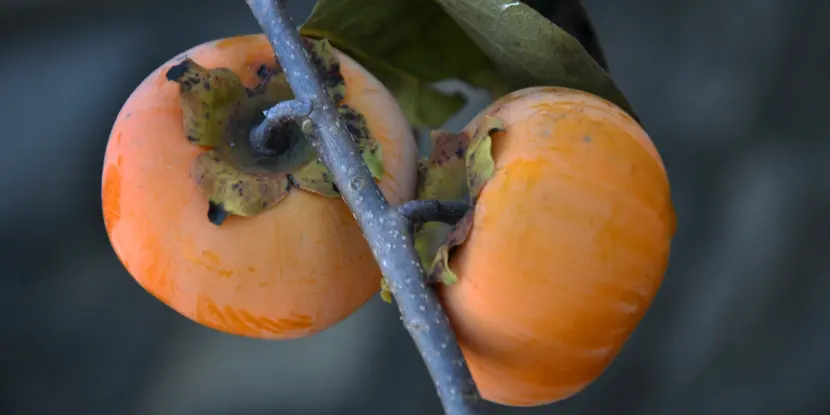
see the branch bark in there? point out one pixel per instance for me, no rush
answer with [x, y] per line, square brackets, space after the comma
[385, 229]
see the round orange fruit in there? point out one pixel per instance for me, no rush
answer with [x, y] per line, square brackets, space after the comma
[291, 271]
[568, 246]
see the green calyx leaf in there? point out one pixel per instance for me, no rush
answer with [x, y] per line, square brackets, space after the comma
[233, 191]
[322, 56]
[457, 169]
[407, 45]
[314, 176]
[219, 113]
[209, 99]
[385, 291]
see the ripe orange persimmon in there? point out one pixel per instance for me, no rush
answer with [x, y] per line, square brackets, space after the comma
[290, 271]
[568, 246]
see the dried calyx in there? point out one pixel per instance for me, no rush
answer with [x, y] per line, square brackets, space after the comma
[243, 178]
[456, 171]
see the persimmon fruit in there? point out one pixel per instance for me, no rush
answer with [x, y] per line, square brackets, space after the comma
[567, 244]
[288, 271]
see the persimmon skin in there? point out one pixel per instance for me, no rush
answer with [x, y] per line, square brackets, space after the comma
[570, 241]
[292, 271]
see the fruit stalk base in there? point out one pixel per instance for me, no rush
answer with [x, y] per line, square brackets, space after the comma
[433, 211]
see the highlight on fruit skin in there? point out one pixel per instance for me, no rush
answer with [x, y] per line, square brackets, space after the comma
[564, 249]
[296, 268]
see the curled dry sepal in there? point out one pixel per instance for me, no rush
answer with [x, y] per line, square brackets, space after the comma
[449, 181]
[245, 177]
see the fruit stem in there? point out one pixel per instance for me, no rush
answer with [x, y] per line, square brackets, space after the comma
[285, 111]
[386, 230]
[433, 211]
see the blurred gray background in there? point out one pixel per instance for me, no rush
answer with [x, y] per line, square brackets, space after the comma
[734, 93]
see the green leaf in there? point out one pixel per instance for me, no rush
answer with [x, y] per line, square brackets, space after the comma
[407, 44]
[530, 50]
[571, 16]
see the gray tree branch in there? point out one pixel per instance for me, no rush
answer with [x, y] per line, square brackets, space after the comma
[385, 229]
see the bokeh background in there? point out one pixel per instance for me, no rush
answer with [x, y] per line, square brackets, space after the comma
[734, 93]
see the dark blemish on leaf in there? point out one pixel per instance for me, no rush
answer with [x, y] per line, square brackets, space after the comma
[216, 213]
[207, 86]
[353, 130]
[334, 187]
[177, 71]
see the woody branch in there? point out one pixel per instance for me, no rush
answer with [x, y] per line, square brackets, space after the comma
[386, 228]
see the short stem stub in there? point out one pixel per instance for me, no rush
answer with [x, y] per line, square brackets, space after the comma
[385, 229]
[421, 211]
[295, 110]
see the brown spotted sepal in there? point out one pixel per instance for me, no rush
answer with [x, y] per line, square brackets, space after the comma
[314, 176]
[322, 56]
[230, 190]
[219, 113]
[456, 170]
